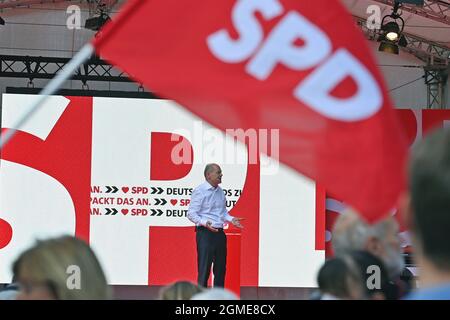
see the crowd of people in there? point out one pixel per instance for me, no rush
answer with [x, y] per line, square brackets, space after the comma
[41, 273]
[368, 261]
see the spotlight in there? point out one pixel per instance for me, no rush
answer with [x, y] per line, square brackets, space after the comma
[391, 30]
[391, 33]
[95, 23]
[2, 22]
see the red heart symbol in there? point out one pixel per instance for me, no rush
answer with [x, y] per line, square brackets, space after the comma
[124, 212]
[173, 201]
[125, 189]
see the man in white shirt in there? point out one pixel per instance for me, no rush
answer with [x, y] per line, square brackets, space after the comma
[208, 211]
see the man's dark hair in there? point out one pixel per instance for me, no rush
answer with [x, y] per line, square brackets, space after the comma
[334, 277]
[429, 179]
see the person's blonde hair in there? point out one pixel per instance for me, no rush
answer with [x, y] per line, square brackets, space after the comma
[181, 290]
[48, 263]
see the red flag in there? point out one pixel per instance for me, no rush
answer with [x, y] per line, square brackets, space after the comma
[298, 66]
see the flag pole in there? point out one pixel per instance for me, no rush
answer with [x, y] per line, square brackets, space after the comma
[52, 87]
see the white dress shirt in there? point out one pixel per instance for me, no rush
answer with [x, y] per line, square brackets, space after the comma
[208, 204]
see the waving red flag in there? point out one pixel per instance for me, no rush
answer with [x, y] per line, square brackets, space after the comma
[298, 66]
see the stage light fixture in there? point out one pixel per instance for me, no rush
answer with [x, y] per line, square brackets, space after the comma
[96, 22]
[391, 36]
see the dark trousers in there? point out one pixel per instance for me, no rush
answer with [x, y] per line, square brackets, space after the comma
[211, 249]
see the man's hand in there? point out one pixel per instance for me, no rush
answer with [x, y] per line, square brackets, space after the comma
[237, 222]
[208, 226]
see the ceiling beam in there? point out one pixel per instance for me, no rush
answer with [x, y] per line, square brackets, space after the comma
[9, 4]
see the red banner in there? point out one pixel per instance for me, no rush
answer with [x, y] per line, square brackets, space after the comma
[298, 66]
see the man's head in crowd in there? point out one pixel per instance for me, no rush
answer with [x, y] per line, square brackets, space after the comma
[63, 269]
[180, 290]
[428, 213]
[351, 232]
[340, 278]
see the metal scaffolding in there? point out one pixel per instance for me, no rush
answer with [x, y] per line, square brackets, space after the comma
[47, 67]
[436, 10]
[435, 79]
